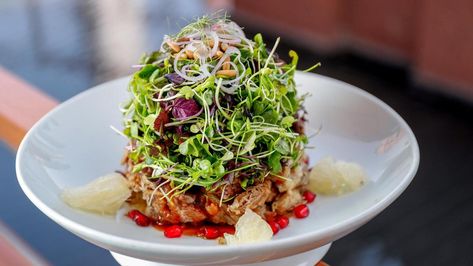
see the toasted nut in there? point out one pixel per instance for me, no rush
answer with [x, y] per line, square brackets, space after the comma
[182, 39]
[196, 55]
[210, 42]
[227, 73]
[173, 46]
[189, 54]
[219, 54]
[226, 65]
[223, 46]
[182, 56]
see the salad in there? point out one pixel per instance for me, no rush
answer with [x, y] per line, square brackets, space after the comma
[215, 127]
[216, 137]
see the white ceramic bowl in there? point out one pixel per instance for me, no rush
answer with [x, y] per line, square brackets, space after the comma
[74, 144]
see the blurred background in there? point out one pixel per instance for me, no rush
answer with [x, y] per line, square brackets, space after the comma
[415, 55]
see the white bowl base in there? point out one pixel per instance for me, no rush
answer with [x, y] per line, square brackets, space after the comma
[308, 258]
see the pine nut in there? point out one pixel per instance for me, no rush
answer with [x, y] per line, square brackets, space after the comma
[219, 54]
[210, 42]
[226, 65]
[189, 54]
[183, 39]
[227, 73]
[173, 46]
[224, 46]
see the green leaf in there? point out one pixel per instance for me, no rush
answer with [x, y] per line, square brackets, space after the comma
[127, 132]
[184, 148]
[274, 162]
[218, 169]
[227, 156]
[303, 139]
[201, 149]
[250, 144]
[282, 147]
[147, 71]
[149, 120]
[290, 102]
[208, 97]
[244, 183]
[258, 107]
[188, 148]
[271, 116]
[287, 121]
[209, 131]
[204, 165]
[134, 156]
[134, 130]
[187, 92]
[194, 128]
[282, 89]
[154, 76]
[245, 53]
[258, 39]
[208, 83]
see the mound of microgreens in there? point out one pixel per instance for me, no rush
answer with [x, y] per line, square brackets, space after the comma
[211, 106]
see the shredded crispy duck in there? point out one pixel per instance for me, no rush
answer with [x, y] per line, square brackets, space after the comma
[271, 196]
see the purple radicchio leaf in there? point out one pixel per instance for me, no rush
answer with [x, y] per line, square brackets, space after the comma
[174, 78]
[185, 108]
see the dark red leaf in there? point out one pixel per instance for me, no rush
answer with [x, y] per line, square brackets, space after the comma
[184, 108]
[162, 119]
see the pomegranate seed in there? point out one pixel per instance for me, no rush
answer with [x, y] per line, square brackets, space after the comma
[301, 211]
[133, 213]
[173, 231]
[282, 221]
[274, 227]
[309, 196]
[211, 232]
[141, 220]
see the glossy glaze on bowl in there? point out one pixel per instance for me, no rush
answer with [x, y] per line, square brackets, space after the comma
[74, 144]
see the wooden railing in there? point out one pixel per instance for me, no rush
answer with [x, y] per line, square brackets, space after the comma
[21, 105]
